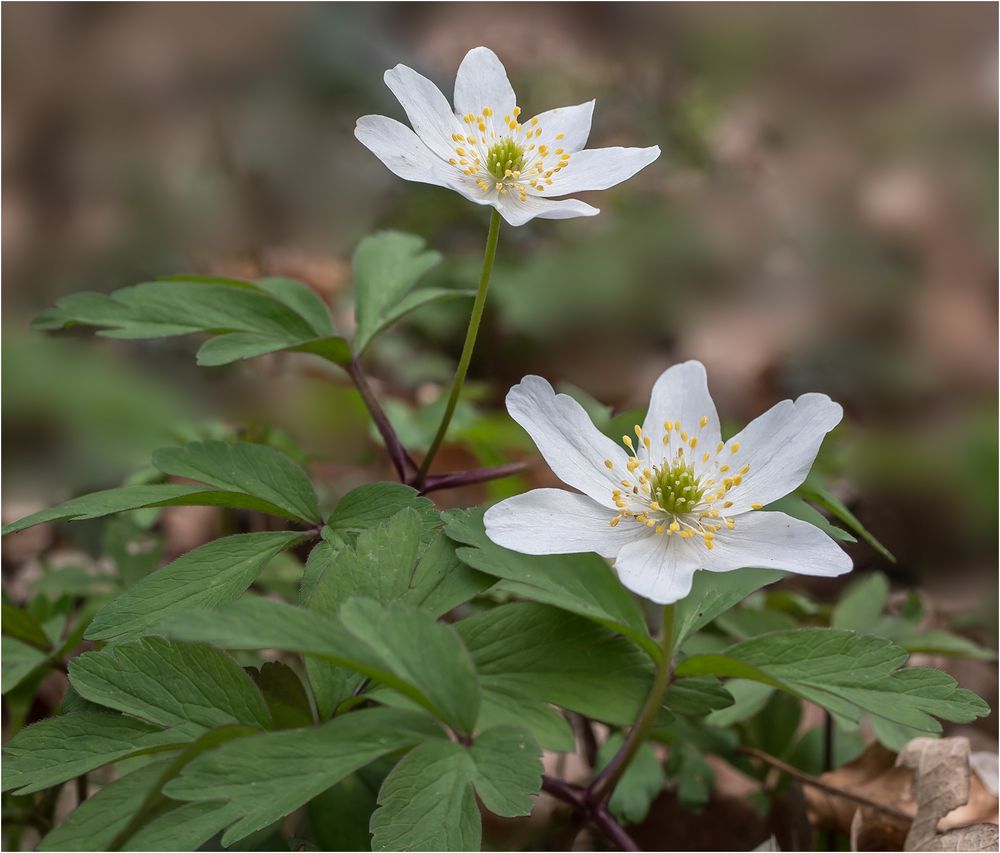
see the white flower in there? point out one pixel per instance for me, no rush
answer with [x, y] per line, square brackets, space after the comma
[484, 151]
[682, 499]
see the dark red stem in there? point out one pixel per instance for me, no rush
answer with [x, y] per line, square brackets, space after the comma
[401, 460]
[598, 814]
[455, 479]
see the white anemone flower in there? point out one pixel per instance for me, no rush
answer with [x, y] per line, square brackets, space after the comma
[681, 499]
[484, 150]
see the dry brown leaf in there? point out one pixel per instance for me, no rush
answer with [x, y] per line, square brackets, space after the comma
[943, 783]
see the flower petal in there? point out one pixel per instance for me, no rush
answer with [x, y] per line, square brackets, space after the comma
[780, 447]
[428, 110]
[572, 122]
[403, 152]
[554, 521]
[773, 540]
[569, 442]
[517, 211]
[659, 567]
[600, 168]
[681, 394]
[482, 82]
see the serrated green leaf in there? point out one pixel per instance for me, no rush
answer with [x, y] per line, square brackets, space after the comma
[265, 777]
[508, 770]
[205, 577]
[395, 644]
[19, 660]
[639, 785]
[368, 506]
[386, 266]
[861, 605]
[580, 583]
[713, 593]
[846, 673]
[252, 469]
[427, 803]
[187, 827]
[110, 501]
[187, 688]
[529, 655]
[832, 504]
[96, 821]
[60, 748]
[260, 318]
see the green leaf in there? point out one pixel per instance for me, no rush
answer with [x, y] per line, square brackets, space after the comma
[386, 266]
[204, 578]
[255, 318]
[796, 507]
[110, 501]
[94, 824]
[303, 300]
[61, 748]
[188, 688]
[713, 593]
[21, 625]
[749, 699]
[834, 505]
[427, 802]
[508, 770]
[695, 697]
[692, 774]
[529, 655]
[267, 776]
[187, 827]
[368, 506]
[580, 583]
[940, 642]
[251, 469]
[640, 784]
[339, 816]
[861, 604]
[19, 661]
[396, 644]
[847, 674]
[284, 694]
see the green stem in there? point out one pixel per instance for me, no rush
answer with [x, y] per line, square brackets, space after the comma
[603, 786]
[470, 345]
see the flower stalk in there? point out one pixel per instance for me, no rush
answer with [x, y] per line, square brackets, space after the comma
[603, 786]
[470, 344]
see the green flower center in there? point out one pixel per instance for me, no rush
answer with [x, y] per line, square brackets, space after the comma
[506, 156]
[677, 489]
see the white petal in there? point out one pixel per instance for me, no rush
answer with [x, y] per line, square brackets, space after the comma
[569, 442]
[659, 567]
[403, 152]
[482, 82]
[600, 168]
[517, 212]
[780, 447]
[681, 394]
[572, 122]
[553, 521]
[428, 110]
[773, 540]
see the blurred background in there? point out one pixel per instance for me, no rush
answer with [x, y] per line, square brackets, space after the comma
[823, 218]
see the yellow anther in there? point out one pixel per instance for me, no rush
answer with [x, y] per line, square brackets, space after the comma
[543, 150]
[517, 111]
[756, 506]
[653, 505]
[674, 527]
[723, 468]
[708, 544]
[744, 469]
[735, 447]
[609, 464]
[564, 157]
[708, 536]
[668, 426]
[627, 439]
[638, 431]
[482, 128]
[626, 484]
[558, 151]
[714, 513]
[730, 524]
[534, 121]
[632, 464]
[719, 446]
[560, 136]
[704, 421]
[684, 437]
[737, 480]
[460, 152]
[686, 534]
[614, 521]
[693, 442]
[645, 441]
[705, 457]
[453, 161]
[487, 112]
[660, 528]
[727, 504]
